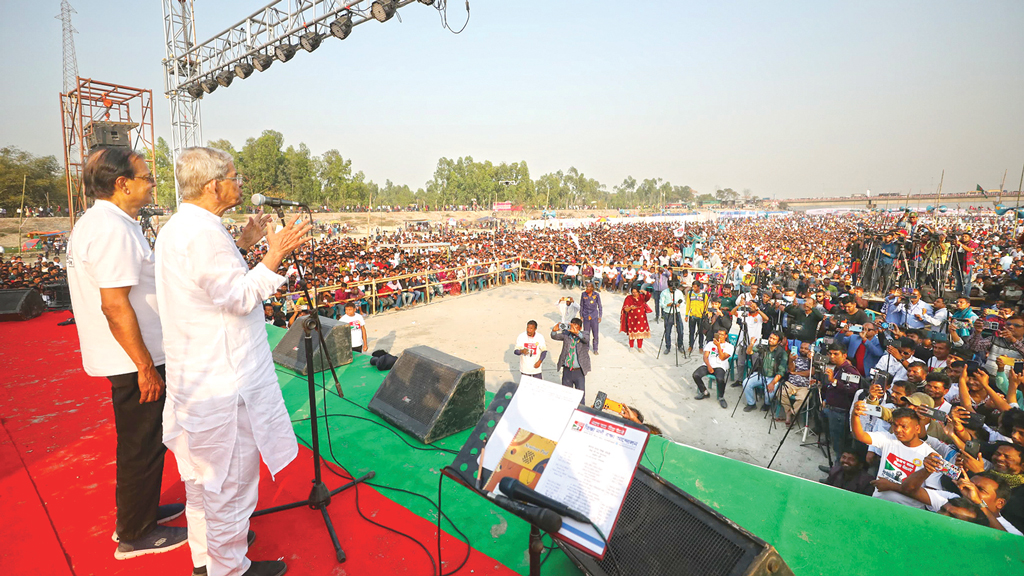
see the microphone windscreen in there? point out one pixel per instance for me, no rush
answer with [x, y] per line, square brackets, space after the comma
[258, 199]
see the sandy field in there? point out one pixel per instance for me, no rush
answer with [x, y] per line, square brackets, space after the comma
[482, 328]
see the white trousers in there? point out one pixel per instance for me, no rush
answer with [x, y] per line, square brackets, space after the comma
[218, 523]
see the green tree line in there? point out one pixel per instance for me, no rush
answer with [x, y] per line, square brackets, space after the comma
[329, 179]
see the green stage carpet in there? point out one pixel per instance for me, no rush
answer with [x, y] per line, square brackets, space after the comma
[816, 528]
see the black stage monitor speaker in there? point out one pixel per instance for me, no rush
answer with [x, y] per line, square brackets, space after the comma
[20, 304]
[430, 394]
[102, 133]
[290, 352]
[663, 531]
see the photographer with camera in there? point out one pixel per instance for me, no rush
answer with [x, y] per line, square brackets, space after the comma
[863, 348]
[797, 386]
[574, 360]
[750, 319]
[567, 308]
[898, 357]
[841, 383]
[671, 301]
[803, 319]
[770, 364]
[965, 248]
[962, 318]
[886, 257]
[714, 320]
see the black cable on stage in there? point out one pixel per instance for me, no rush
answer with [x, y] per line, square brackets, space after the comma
[437, 568]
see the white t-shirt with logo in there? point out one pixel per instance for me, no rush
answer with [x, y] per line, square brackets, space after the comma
[898, 461]
[107, 250]
[534, 345]
[713, 358]
[356, 323]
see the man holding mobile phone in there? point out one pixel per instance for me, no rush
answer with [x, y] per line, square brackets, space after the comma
[903, 451]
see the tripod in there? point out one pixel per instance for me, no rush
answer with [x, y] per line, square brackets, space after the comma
[319, 496]
[826, 449]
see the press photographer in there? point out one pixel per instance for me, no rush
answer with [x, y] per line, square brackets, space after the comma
[769, 366]
[841, 383]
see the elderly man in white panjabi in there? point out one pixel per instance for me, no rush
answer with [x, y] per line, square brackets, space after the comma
[224, 407]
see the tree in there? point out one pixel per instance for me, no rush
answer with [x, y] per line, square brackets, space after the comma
[297, 177]
[41, 176]
[165, 193]
[335, 175]
[262, 163]
[705, 199]
[727, 195]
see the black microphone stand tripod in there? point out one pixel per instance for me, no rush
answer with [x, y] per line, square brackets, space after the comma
[319, 496]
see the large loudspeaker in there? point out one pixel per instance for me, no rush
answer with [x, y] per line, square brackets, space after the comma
[20, 304]
[290, 352]
[103, 133]
[663, 531]
[430, 394]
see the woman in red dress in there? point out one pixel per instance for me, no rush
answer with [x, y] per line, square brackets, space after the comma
[633, 320]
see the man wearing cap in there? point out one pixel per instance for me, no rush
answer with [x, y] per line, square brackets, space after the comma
[591, 312]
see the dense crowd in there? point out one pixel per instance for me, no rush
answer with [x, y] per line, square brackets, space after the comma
[914, 390]
[916, 399]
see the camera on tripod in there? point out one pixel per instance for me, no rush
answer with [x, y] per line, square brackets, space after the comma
[149, 212]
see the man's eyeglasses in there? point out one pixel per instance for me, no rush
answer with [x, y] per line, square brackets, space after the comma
[148, 178]
[238, 178]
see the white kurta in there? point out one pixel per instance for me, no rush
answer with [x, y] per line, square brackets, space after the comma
[217, 351]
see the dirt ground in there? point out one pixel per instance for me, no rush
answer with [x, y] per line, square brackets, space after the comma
[482, 328]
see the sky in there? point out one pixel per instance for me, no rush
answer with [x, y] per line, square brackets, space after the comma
[786, 99]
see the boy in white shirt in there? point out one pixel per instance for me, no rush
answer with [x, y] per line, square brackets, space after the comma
[903, 451]
[357, 323]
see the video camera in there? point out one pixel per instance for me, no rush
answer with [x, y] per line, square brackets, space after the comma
[150, 211]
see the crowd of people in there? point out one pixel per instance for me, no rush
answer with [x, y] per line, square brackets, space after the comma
[914, 388]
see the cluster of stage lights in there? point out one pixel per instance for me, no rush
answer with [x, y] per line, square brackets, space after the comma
[381, 10]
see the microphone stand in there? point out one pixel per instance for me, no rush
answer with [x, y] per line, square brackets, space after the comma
[319, 496]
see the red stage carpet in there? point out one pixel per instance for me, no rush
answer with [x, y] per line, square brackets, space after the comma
[57, 485]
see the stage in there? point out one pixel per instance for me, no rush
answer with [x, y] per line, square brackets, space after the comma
[57, 497]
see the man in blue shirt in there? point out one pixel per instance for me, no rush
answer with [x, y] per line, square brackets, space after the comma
[591, 312]
[660, 285]
[886, 256]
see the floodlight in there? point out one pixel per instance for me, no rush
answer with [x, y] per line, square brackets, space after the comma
[262, 61]
[383, 10]
[209, 85]
[194, 91]
[342, 27]
[243, 70]
[310, 41]
[284, 52]
[225, 78]
[427, 2]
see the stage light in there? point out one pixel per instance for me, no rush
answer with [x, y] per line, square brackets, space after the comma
[262, 61]
[194, 91]
[225, 78]
[243, 70]
[383, 10]
[342, 27]
[427, 2]
[209, 85]
[284, 52]
[310, 41]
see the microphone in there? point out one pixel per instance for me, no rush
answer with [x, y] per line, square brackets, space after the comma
[542, 518]
[261, 200]
[517, 490]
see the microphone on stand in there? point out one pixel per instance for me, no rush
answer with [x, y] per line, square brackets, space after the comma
[542, 518]
[261, 200]
[518, 491]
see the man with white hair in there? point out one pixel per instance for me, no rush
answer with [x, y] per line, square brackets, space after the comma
[224, 408]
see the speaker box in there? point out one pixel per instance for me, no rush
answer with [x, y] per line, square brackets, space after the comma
[20, 304]
[430, 394]
[663, 531]
[103, 133]
[57, 296]
[290, 352]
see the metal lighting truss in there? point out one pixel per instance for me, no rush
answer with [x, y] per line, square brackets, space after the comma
[191, 70]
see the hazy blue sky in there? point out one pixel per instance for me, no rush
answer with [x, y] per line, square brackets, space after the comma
[784, 98]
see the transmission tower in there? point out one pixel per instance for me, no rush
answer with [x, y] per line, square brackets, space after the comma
[70, 60]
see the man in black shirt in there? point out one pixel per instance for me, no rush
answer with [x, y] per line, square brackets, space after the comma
[804, 319]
